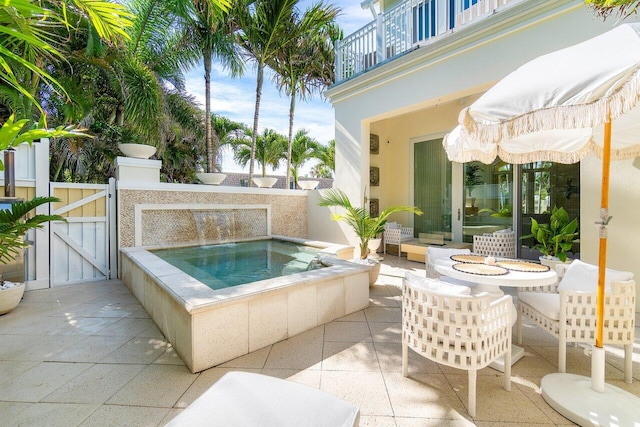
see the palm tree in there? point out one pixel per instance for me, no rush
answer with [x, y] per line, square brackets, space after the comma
[209, 32]
[225, 132]
[269, 149]
[29, 42]
[326, 154]
[300, 151]
[624, 8]
[365, 227]
[299, 65]
[263, 32]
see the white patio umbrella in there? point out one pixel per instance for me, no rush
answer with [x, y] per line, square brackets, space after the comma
[561, 107]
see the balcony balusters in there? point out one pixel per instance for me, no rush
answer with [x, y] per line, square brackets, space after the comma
[404, 27]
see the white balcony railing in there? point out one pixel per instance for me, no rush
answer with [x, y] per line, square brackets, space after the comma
[404, 27]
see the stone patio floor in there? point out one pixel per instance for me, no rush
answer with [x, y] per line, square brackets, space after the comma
[88, 355]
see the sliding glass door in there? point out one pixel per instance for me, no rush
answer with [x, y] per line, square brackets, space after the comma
[460, 201]
[432, 184]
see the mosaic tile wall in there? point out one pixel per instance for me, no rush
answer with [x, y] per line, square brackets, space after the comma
[170, 227]
[288, 217]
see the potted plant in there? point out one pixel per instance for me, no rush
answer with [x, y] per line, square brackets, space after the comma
[363, 224]
[14, 223]
[553, 240]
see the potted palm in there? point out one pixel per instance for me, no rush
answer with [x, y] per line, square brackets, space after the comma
[554, 239]
[363, 224]
[13, 226]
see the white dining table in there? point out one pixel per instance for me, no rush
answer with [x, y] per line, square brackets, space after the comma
[491, 285]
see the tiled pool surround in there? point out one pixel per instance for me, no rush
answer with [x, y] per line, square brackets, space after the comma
[208, 327]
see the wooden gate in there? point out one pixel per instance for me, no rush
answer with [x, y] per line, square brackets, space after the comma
[84, 247]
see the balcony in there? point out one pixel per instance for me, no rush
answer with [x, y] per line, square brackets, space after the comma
[405, 27]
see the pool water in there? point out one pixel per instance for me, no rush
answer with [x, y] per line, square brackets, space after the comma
[233, 264]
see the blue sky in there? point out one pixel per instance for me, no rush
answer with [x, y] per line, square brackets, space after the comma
[235, 98]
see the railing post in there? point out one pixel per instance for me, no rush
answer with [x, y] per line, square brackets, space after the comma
[339, 75]
[380, 43]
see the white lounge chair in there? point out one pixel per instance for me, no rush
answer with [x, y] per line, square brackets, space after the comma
[242, 399]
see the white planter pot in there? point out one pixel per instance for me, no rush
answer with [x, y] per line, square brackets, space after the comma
[308, 185]
[265, 182]
[374, 268]
[552, 262]
[211, 178]
[373, 245]
[9, 298]
[138, 151]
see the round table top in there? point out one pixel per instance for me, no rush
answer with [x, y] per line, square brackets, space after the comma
[515, 279]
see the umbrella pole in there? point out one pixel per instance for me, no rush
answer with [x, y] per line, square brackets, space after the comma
[597, 357]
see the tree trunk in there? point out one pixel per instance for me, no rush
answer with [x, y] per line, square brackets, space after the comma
[256, 113]
[211, 158]
[292, 107]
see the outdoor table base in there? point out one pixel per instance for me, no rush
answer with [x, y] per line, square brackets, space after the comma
[516, 354]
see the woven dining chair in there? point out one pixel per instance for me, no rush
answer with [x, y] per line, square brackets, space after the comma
[568, 310]
[447, 325]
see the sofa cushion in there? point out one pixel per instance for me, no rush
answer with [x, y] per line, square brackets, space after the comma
[436, 285]
[581, 276]
[546, 303]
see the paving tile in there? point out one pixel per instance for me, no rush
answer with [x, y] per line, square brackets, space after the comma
[531, 388]
[130, 416]
[307, 377]
[170, 415]
[366, 390]
[424, 396]
[35, 348]
[491, 398]
[390, 358]
[300, 352]
[384, 301]
[12, 409]
[137, 351]
[130, 327]
[12, 368]
[386, 332]
[432, 422]
[345, 356]
[254, 360]
[205, 380]
[376, 421]
[383, 314]
[347, 332]
[95, 385]
[156, 386]
[358, 316]
[91, 349]
[53, 415]
[169, 357]
[41, 380]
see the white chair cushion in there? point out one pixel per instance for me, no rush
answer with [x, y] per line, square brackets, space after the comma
[505, 230]
[546, 303]
[581, 276]
[436, 285]
[242, 399]
[391, 225]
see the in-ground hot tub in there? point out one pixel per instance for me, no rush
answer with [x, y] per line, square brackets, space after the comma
[208, 327]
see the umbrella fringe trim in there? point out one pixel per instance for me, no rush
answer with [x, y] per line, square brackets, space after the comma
[561, 117]
[542, 156]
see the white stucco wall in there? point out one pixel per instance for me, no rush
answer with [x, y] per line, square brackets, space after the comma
[623, 249]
